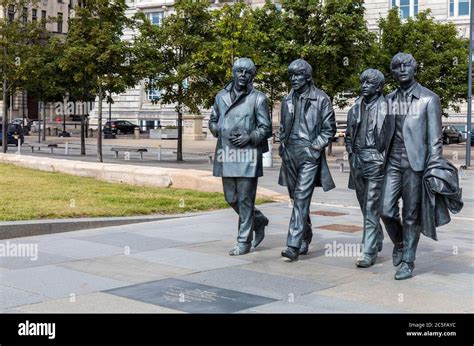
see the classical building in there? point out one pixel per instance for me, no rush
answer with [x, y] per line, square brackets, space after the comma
[135, 105]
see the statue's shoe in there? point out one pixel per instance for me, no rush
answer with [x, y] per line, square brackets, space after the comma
[366, 261]
[380, 246]
[260, 233]
[397, 255]
[240, 249]
[304, 247]
[290, 253]
[405, 271]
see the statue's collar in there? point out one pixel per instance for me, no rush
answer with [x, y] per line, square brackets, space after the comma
[230, 85]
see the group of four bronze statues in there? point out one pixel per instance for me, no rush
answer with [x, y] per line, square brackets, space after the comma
[391, 142]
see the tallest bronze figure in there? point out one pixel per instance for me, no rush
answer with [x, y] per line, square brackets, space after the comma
[414, 166]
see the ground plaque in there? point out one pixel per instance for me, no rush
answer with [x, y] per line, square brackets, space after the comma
[190, 297]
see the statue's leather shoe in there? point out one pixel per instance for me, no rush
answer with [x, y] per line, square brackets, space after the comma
[397, 255]
[291, 253]
[405, 271]
[366, 261]
[304, 248]
[260, 233]
[380, 246]
[240, 249]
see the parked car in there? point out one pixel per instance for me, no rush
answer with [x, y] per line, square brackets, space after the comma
[15, 134]
[34, 125]
[451, 135]
[119, 127]
[23, 122]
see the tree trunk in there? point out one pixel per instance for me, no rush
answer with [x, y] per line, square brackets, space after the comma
[44, 123]
[180, 135]
[99, 127]
[40, 111]
[4, 120]
[5, 95]
[83, 135]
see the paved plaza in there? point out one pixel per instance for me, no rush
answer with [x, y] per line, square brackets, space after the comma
[181, 265]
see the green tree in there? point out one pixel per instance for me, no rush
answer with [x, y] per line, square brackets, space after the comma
[441, 54]
[232, 36]
[333, 37]
[45, 82]
[96, 56]
[20, 41]
[170, 52]
[269, 52]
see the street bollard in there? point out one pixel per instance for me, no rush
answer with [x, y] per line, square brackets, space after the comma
[19, 146]
[267, 159]
[66, 150]
[159, 152]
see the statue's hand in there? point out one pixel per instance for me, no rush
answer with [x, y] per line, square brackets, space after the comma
[241, 140]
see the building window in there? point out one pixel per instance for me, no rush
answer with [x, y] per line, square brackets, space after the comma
[156, 17]
[34, 14]
[24, 15]
[11, 13]
[152, 93]
[60, 22]
[407, 8]
[43, 18]
[458, 8]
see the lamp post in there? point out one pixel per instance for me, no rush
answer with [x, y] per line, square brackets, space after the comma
[469, 91]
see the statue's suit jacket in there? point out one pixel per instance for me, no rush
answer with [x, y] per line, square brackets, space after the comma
[422, 129]
[354, 119]
[320, 120]
[249, 113]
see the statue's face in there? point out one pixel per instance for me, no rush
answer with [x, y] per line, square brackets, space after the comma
[242, 76]
[369, 88]
[299, 80]
[404, 72]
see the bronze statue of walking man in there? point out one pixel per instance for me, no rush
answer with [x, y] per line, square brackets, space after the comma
[365, 144]
[242, 125]
[307, 126]
[414, 139]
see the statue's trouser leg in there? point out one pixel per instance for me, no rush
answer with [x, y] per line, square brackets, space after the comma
[308, 232]
[391, 193]
[240, 194]
[258, 217]
[411, 212]
[301, 177]
[402, 181]
[368, 179]
[373, 234]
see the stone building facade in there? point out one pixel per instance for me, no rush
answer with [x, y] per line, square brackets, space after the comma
[135, 105]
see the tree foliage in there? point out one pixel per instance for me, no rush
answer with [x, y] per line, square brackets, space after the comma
[96, 57]
[173, 66]
[441, 54]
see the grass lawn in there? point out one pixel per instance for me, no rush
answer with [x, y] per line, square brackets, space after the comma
[28, 194]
